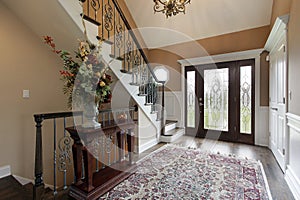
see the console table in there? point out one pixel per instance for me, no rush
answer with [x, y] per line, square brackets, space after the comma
[97, 183]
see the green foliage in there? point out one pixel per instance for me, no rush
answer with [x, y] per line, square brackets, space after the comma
[86, 76]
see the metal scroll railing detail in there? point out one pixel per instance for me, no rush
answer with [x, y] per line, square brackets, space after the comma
[62, 147]
[115, 29]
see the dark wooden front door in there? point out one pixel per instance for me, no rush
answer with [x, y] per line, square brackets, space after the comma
[220, 101]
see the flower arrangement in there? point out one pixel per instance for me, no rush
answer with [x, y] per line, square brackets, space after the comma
[86, 76]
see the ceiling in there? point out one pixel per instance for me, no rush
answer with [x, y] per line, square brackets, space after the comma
[203, 19]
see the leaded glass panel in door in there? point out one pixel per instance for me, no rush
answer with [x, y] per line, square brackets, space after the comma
[216, 83]
[245, 99]
[191, 118]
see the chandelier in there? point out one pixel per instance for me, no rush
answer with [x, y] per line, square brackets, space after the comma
[170, 7]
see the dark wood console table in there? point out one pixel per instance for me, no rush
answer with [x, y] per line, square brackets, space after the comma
[97, 183]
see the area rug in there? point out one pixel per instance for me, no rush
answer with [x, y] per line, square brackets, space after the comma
[174, 172]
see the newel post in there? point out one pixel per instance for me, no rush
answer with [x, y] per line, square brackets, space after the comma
[163, 110]
[38, 170]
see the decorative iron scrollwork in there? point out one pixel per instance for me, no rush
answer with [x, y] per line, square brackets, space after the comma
[108, 143]
[129, 51]
[64, 146]
[108, 17]
[119, 35]
[95, 5]
[137, 59]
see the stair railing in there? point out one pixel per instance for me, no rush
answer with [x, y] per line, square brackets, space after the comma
[62, 146]
[115, 29]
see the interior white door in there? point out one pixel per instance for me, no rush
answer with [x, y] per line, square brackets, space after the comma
[278, 84]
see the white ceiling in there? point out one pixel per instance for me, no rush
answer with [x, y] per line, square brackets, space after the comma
[203, 19]
[47, 17]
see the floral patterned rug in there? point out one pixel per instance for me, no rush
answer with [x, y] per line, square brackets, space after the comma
[174, 172]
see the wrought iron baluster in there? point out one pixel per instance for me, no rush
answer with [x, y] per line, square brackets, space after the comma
[109, 118]
[108, 17]
[96, 6]
[103, 117]
[108, 148]
[119, 37]
[102, 151]
[129, 47]
[88, 8]
[115, 147]
[124, 49]
[114, 32]
[65, 171]
[54, 157]
[102, 18]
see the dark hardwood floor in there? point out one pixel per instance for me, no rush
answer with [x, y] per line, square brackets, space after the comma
[11, 190]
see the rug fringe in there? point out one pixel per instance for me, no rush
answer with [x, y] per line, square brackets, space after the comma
[265, 180]
[157, 150]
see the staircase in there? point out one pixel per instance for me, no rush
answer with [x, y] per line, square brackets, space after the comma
[120, 48]
[105, 20]
[171, 133]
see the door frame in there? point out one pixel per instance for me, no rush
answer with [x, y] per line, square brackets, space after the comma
[233, 134]
[279, 32]
[261, 112]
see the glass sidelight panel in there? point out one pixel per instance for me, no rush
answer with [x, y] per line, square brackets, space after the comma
[245, 99]
[191, 118]
[216, 99]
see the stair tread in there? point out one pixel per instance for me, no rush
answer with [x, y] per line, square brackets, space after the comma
[171, 122]
[173, 131]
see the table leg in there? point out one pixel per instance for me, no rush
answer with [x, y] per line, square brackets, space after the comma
[77, 158]
[130, 143]
[120, 137]
[88, 159]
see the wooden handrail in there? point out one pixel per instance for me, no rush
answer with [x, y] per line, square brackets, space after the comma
[135, 40]
[38, 191]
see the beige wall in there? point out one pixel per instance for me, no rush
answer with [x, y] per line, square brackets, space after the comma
[264, 79]
[133, 25]
[294, 58]
[233, 42]
[26, 63]
[280, 7]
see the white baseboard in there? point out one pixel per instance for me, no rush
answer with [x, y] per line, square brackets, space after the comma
[148, 145]
[5, 171]
[22, 180]
[293, 182]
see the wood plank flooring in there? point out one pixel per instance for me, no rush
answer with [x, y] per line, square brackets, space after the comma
[10, 190]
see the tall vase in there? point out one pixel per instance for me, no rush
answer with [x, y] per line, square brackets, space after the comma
[90, 114]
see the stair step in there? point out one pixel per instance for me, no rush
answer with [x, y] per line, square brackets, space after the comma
[125, 71]
[148, 104]
[171, 122]
[87, 18]
[172, 135]
[117, 58]
[170, 125]
[142, 95]
[136, 84]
